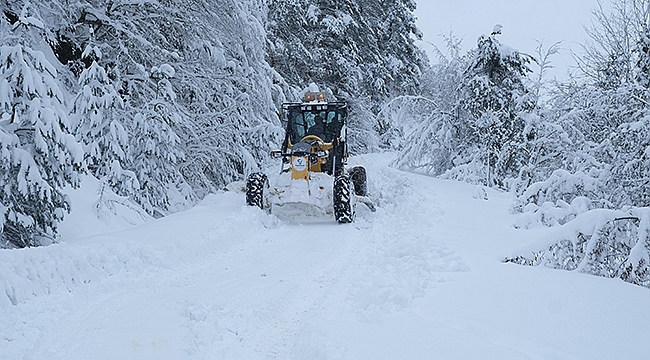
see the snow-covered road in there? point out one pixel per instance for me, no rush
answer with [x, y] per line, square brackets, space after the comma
[421, 278]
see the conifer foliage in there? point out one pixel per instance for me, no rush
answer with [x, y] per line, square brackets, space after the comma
[355, 48]
[96, 122]
[475, 132]
[159, 153]
[494, 94]
[162, 101]
[39, 154]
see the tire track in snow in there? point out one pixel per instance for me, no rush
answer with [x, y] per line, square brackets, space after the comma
[261, 314]
[400, 258]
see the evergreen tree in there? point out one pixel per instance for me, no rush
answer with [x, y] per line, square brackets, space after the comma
[317, 41]
[225, 90]
[289, 44]
[495, 95]
[97, 124]
[391, 62]
[475, 126]
[39, 155]
[357, 49]
[157, 151]
[643, 62]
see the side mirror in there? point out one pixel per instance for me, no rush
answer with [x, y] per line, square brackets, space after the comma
[276, 154]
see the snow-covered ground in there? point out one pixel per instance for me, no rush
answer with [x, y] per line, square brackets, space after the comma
[421, 278]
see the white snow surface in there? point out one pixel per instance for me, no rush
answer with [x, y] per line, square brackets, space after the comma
[421, 278]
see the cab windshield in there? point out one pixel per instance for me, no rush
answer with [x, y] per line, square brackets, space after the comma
[324, 121]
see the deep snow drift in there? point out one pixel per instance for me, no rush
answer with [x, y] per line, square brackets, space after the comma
[421, 278]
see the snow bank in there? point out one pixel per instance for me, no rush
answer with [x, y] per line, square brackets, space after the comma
[558, 200]
[30, 273]
[95, 210]
[33, 272]
[26, 274]
[586, 223]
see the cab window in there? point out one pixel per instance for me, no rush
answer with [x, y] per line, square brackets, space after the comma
[325, 124]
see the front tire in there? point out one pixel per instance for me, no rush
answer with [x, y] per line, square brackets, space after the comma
[343, 211]
[257, 188]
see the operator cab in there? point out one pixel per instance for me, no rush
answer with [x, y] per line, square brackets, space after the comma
[324, 121]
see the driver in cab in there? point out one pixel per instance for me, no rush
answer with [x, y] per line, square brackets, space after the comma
[318, 128]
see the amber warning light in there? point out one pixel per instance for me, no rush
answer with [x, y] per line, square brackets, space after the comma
[314, 96]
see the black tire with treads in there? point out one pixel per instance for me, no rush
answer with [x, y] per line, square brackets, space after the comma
[256, 185]
[343, 211]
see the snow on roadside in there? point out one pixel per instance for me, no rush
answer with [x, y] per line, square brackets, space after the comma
[161, 249]
[601, 242]
[97, 210]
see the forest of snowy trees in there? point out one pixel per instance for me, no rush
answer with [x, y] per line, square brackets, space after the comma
[165, 102]
[572, 150]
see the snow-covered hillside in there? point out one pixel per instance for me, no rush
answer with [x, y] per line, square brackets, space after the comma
[422, 278]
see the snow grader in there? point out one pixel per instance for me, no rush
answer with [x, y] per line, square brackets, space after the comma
[314, 153]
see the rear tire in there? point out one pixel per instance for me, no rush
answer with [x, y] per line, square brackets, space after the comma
[359, 180]
[257, 188]
[343, 211]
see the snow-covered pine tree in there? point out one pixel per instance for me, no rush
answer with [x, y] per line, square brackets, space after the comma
[391, 65]
[156, 149]
[288, 50]
[324, 36]
[97, 123]
[39, 155]
[476, 134]
[643, 61]
[391, 62]
[358, 48]
[495, 95]
[224, 109]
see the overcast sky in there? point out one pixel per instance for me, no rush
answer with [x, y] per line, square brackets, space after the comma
[523, 22]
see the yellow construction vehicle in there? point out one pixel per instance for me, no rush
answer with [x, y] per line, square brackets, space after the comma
[314, 155]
